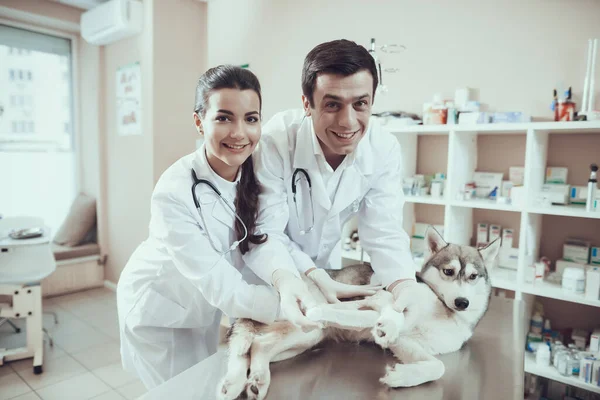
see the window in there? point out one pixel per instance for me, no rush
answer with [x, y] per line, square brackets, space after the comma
[47, 156]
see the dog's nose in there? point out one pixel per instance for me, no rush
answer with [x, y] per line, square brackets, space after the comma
[461, 303]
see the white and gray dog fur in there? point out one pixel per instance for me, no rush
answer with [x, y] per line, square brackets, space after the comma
[453, 294]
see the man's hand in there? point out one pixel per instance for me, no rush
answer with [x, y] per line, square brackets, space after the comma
[333, 290]
[295, 299]
[407, 299]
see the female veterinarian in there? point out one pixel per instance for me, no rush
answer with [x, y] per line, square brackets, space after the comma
[179, 281]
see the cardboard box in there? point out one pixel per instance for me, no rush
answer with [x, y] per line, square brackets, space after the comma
[576, 250]
[508, 257]
[556, 175]
[485, 182]
[516, 175]
[517, 196]
[507, 237]
[555, 193]
[482, 234]
[595, 256]
[578, 195]
[592, 283]
[595, 341]
[495, 232]
[562, 264]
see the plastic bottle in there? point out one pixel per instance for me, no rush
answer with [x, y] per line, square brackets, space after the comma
[592, 188]
[542, 355]
[537, 322]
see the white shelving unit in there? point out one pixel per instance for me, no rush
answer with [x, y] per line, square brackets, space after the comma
[550, 372]
[458, 214]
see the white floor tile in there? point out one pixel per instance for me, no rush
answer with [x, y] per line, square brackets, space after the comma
[114, 375]
[55, 371]
[12, 385]
[81, 387]
[99, 356]
[28, 396]
[112, 395]
[133, 390]
[6, 370]
[87, 337]
[50, 353]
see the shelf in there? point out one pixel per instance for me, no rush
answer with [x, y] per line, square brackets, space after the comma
[355, 255]
[418, 129]
[549, 372]
[504, 278]
[425, 200]
[555, 291]
[495, 129]
[485, 204]
[492, 129]
[566, 211]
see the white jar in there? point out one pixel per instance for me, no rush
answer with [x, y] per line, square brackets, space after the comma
[573, 280]
[542, 355]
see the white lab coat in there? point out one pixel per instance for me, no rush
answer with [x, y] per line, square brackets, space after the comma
[370, 186]
[173, 290]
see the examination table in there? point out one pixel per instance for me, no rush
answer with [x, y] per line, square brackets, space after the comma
[489, 366]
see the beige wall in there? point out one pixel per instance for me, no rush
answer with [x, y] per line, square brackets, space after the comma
[172, 53]
[46, 8]
[174, 81]
[514, 51]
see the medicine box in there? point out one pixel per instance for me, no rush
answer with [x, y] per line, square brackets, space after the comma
[506, 186]
[495, 232]
[595, 255]
[556, 193]
[482, 234]
[508, 257]
[485, 182]
[562, 264]
[578, 195]
[556, 175]
[576, 250]
[595, 341]
[592, 283]
[516, 175]
[507, 237]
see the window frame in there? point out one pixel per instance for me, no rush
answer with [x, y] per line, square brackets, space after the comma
[75, 110]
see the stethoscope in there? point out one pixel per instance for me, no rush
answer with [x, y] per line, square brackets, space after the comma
[218, 193]
[295, 176]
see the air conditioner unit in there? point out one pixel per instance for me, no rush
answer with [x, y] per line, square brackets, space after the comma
[112, 21]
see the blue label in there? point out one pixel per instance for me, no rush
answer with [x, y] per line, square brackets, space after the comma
[573, 193]
[594, 252]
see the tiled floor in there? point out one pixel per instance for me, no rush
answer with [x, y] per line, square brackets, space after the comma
[83, 364]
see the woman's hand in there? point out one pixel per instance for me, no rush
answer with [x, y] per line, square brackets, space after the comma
[333, 290]
[295, 299]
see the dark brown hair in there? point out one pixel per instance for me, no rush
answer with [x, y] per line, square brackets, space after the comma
[338, 57]
[248, 190]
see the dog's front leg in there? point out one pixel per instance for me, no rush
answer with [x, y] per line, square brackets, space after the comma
[418, 366]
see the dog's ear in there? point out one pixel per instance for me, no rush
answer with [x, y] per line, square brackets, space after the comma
[490, 252]
[435, 241]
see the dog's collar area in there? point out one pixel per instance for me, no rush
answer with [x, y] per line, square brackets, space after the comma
[421, 280]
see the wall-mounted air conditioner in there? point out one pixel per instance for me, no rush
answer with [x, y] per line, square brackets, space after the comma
[112, 21]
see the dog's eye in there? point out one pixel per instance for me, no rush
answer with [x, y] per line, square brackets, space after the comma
[473, 277]
[448, 272]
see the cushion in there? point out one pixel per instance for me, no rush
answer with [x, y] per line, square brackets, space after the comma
[68, 253]
[78, 223]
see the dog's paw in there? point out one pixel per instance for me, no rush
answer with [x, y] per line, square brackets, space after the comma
[401, 375]
[230, 389]
[387, 329]
[258, 383]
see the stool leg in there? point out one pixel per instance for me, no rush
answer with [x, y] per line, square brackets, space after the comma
[35, 334]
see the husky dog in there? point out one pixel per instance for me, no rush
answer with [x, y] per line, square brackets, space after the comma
[453, 293]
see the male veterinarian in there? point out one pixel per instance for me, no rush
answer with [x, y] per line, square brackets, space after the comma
[320, 166]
